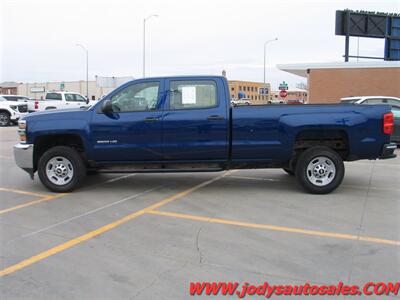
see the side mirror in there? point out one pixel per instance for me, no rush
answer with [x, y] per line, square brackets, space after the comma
[106, 106]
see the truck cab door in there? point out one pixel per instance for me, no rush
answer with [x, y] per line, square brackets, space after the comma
[132, 131]
[81, 101]
[195, 122]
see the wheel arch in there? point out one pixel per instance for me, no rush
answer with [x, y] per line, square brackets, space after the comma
[44, 142]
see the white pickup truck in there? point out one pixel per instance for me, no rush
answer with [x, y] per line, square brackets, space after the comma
[61, 100]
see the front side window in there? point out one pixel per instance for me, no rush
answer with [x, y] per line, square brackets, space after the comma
[393, 102]
[136, 97]
[69, 97]
[79, 98]
[192, 94]
[396, 111]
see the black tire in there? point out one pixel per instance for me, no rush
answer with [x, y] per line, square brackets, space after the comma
[76, 162]
[289, 171]
[91, 172]
[313, 155]
[4, 119]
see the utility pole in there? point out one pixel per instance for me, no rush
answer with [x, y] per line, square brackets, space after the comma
[144, 42]
[87, 70]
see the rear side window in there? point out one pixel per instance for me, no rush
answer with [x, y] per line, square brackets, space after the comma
[192, 94]
[53, 96]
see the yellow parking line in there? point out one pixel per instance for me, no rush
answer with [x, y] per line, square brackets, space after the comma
[98, 231]
[278, 228]
[23, 192]
[43, 199]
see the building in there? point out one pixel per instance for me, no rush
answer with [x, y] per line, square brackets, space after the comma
[97, 88]
[250, 90]
[328, 82]
[8, 88]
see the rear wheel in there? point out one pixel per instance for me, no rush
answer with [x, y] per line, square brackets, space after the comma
[4, 119]
[319, 170]
[61, 169]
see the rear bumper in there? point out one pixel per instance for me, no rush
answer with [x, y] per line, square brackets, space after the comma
[388, 151]
[23, 155]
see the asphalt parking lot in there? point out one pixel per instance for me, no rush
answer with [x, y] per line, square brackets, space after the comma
[147, 236]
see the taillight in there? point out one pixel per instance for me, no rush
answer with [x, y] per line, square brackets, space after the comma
[36, 104]
[388, 123]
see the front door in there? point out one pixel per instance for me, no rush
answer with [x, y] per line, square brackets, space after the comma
[132, 132]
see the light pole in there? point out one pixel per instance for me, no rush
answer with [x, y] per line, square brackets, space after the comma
[87, 70]
[144, 42]
[265, 54]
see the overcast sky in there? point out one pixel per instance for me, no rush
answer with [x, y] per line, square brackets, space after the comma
[38, 37]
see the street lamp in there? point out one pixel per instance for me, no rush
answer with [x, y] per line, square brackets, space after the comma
[87, 69]
[144, 42]
[265, 54]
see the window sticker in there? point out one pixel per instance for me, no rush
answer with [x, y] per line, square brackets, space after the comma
[188, 95]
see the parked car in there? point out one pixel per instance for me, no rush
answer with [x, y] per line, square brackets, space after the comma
[61, 100]
[11, 111]
[394, 102]
[186, 124]
[294, 102]
[243, 101]
[18, 98]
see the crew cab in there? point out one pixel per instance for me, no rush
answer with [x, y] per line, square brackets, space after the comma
[61, 100]
[186, 124]
[11, 111]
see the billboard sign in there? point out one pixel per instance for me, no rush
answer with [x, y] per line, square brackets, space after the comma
[370, 25]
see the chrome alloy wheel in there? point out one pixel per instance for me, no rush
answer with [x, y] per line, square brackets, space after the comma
[4, 119]
[59, 170]
[321, 171]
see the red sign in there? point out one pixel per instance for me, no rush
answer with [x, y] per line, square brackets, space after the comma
[283, 93]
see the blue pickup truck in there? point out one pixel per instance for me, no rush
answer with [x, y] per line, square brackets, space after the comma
[187, 124]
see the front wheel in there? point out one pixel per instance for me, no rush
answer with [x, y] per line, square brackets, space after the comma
[4, 119]
[319, 170]
[61, 169]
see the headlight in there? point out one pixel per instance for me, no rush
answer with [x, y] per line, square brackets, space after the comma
[14, 107]
[22, 131]
[22, 124]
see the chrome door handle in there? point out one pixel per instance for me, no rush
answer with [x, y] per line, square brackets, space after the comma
[151, 119]
[215, 117]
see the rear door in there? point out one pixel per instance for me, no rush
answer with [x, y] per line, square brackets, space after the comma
[195, 122]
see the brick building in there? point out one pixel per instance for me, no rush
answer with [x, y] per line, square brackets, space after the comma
[328, 82]
[251, 90]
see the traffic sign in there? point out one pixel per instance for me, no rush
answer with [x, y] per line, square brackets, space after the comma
[283, 86]
[283, 93]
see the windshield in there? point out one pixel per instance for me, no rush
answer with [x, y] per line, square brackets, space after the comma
[15, 98]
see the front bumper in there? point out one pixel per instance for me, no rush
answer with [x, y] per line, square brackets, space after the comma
[23, 155]
[388, 151]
